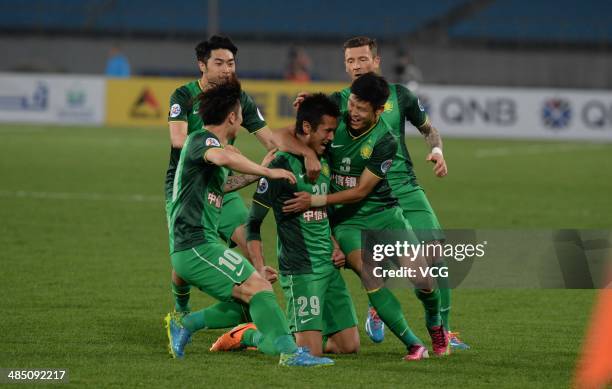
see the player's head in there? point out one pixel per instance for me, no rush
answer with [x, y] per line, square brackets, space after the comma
[216, 58]
[369, 93]
[361, 56]
[317, 118]
[220, 106]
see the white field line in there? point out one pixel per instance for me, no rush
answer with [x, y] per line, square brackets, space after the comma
[533, 150]
[135, 198]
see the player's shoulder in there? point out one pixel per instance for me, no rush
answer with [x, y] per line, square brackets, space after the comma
[403, 91]
[186, 90]
[282, 159]
[245, 98]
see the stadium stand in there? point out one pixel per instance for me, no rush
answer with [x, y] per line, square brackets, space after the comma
[276, 17]
[539, 21]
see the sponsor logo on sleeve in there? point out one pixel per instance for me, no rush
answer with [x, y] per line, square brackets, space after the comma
[212, 142]
[386, 165]
[175, 110]
[262, 187]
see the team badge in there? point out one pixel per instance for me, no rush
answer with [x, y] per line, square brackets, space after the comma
[262, 187]
[366, 151]
[388, 106]
[386, 165]
[212, 142]
[325, 170]
[175, 110]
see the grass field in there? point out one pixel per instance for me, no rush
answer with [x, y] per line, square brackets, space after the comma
[85, 269]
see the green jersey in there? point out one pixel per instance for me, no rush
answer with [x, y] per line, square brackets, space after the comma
[184, 105]
[349, 154]
[402, 106]
[197, 194]
[304, 239]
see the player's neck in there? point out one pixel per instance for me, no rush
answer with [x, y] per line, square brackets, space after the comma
[220, 132]
[303, 139]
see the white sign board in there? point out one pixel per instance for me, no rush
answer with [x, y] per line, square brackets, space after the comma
[42, 98]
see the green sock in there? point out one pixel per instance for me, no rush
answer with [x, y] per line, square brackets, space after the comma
[181, 297]
[220, 315]
[251, 338]
[390, 311]
[272, 324]
[445, 296]
[431, 303]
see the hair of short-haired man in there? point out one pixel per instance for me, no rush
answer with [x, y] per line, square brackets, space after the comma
[372, 88]
[215, 42]
[217, 101]
[359, 41]
[312, 110]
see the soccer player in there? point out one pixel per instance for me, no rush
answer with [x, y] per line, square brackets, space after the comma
[318, 302]
[360, 157]
[196, 254]
[217, 63]
[360, 57]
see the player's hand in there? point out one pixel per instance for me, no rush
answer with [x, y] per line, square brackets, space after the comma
[338, 257]
[313, 167]
[299, 203]
[232, 148]
[269, 157]
[279, 174]
[269, 273]
[298, 100]
[439, 169]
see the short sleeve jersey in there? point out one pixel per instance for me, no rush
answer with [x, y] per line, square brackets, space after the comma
[402, 106]
[197, 194]
[184, 106]
[349, 154]
[304, 239]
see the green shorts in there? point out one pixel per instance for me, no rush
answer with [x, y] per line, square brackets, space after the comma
[420, 214]
[318, 302]
[348, 233]
[234, 213]
[213, 268]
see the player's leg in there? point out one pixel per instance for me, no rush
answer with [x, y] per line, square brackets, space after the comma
[421, 216]
[380, 297]
[234, 214]
[339, 318]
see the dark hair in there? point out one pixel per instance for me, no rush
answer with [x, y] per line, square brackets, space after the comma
[217, 101]
[215, 42]
[312, 110]
[359, 41]
[372, 88]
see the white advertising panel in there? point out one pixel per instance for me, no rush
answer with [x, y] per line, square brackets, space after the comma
[43, 98]
[519, 112]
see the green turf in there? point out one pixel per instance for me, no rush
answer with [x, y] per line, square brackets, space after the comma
[85, 270]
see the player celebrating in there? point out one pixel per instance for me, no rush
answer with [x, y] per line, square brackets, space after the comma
[318, 302]
[197, 256]
[360, 57]
[216, 61]
[360, 157]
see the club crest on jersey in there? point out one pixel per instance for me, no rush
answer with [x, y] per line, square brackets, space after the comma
[212, 142]
[262, 187]
[175, 110]
[388, 106]
[366, 151]
[325, 169]
[386, 165]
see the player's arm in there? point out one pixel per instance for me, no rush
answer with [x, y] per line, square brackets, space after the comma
[338, 257]
[284, 139]
[239, 181]
[259, 210]
[178, 133]
[239, 163]
[417, 117]
[434, 141]
[304, 200]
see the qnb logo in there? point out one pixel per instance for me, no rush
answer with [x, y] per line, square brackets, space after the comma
[556, 113]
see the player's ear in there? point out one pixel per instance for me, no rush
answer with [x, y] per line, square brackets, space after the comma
[306, 127]
[377, 61]
[202, 66]
[379, 110]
